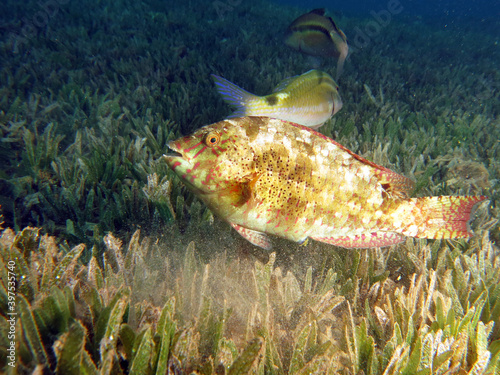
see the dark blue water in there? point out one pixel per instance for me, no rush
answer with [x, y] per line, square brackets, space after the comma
[444, 9]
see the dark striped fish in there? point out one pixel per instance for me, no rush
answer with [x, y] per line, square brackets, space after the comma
[317, 35]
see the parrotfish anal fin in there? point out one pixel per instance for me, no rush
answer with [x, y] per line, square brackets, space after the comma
[366, 240]
[257, 238]
[394, 184]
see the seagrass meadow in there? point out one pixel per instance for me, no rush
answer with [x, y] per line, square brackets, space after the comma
[119, 269]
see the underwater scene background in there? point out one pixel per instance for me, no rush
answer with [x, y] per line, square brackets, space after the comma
[109, 264]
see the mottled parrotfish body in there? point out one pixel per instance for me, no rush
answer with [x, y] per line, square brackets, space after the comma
[268, 176]
[317, 35]
[309, 99]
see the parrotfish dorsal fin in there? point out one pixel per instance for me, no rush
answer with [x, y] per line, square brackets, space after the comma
[321, 12]
[318, 11]
[288, 81]
[393, 183]
[283, 84]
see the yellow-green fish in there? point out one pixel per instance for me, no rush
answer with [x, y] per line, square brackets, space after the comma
[308, 99]
[268, 176]
[317, 35]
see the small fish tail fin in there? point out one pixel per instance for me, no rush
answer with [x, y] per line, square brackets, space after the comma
[441, 217]
[234, 95]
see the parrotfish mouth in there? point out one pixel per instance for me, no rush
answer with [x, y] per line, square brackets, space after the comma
[173, 147]
[174, 157]
[175, 153]
[181, 166]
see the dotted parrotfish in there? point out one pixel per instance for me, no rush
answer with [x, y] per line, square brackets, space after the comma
[309, 99]
[267, 176]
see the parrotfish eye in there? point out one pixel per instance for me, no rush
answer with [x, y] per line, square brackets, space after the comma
[212, 139]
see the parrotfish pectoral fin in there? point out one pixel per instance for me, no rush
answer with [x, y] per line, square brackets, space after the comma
[233, 95]
[444, 217]
[257, 238]
[366, 240]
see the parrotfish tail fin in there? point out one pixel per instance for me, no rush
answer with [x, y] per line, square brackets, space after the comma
[233, 95]
[442, 217]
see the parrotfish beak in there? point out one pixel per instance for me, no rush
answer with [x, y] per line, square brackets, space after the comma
[175, 157]
[183, 166]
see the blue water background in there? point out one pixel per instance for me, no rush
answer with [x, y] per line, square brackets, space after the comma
[441, 9]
